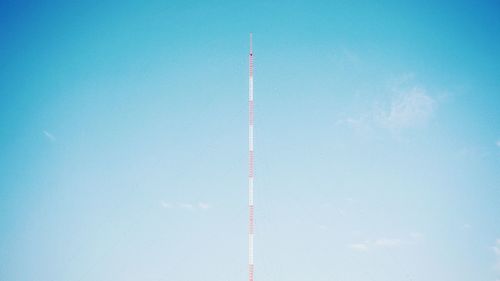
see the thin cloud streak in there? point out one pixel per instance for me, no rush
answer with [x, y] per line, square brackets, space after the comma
[49, 136]
[386, 243]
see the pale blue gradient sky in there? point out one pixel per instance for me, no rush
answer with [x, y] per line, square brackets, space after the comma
[123, 140]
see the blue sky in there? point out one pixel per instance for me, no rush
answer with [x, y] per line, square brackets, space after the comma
[123, 130]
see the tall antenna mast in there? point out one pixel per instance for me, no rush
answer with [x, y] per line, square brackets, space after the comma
[250, 165]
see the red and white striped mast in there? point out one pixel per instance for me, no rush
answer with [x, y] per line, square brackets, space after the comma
[250, 166]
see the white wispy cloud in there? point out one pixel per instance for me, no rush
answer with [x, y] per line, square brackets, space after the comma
[360, 247]
[411, 108]
[49, 136]
[203, 205]
[408, 106]
[498, 143]
[186, 206]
